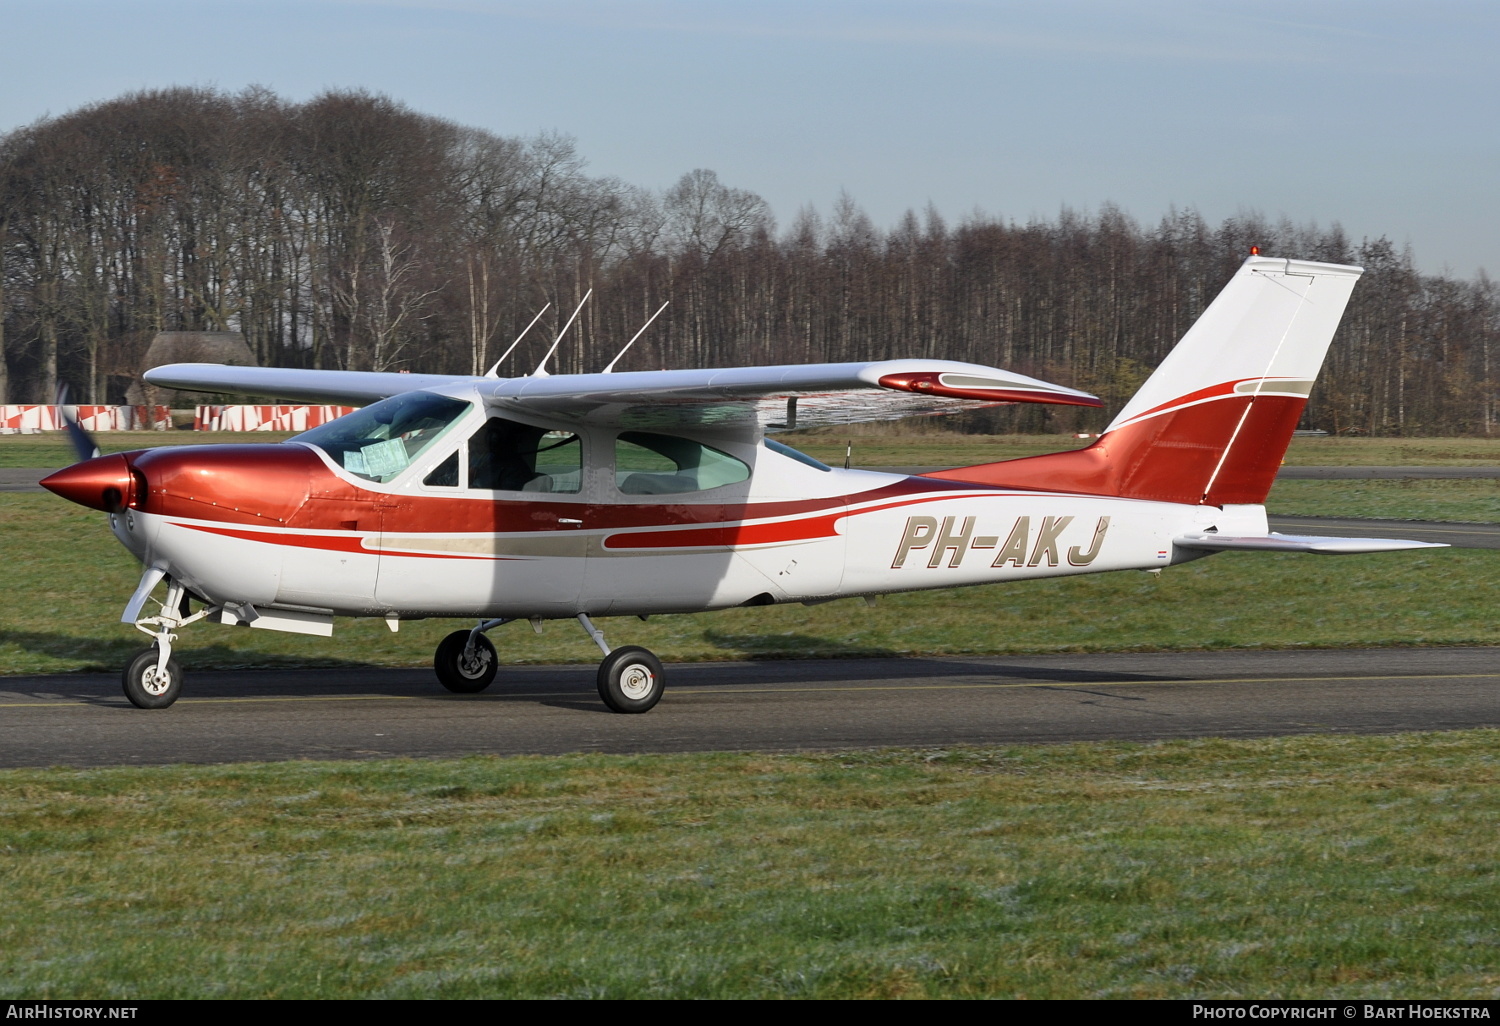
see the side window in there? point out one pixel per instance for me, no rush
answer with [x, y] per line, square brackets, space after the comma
[445, 474]
[648, 464]
[511, 457]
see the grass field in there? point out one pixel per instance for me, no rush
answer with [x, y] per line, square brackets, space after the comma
[1471, 500]
[78, 579]
[1294, 867]
[1329, 867]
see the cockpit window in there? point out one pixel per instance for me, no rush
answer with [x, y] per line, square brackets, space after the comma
[507, 456]
[383, 439]
[650, 464]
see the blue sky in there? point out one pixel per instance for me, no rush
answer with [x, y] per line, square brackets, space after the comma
[1379, 115]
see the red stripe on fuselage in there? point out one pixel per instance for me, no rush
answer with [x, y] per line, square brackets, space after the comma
[781, 532]
[720, 536]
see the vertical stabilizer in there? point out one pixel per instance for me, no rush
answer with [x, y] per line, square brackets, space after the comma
[1213, 422]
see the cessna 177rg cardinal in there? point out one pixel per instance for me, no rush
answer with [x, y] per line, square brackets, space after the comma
[615, 494]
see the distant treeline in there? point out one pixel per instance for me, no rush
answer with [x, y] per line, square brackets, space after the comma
[352, 232]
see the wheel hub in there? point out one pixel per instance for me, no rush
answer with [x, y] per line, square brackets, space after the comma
[636, 681]
[155, 683]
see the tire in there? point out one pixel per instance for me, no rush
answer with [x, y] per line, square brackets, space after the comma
[630, 680]
[142, 686]
[465, 677]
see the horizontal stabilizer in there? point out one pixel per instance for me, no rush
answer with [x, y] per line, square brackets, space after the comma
[1298, 543]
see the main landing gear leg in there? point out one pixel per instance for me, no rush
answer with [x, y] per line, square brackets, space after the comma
[630, 678]
[466, 661]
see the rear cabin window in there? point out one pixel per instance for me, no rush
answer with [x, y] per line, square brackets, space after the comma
[649, 464]
[509, 457]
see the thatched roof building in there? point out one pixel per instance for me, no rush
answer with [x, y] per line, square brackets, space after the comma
[188, 347]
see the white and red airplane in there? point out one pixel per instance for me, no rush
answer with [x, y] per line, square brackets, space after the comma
[628, 494]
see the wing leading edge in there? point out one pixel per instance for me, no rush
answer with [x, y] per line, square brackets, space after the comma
[291, 383]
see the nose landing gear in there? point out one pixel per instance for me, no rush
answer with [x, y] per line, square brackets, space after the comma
[152, 679]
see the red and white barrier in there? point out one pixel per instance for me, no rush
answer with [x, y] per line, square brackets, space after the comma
[31, 420]
[266, 418]
[28, 420]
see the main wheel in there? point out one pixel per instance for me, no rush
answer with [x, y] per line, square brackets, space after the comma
[465, 676]
[630, 680]
[145, 687]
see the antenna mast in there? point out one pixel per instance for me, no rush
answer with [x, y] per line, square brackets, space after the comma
[494, 372]
[541, 368]
[610, 369]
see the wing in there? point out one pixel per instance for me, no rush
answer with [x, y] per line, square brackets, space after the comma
[318, 386]
[777, 398]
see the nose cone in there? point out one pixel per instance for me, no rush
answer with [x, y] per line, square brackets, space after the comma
[103, 483]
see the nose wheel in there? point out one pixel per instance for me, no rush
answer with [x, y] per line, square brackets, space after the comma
[149, 682]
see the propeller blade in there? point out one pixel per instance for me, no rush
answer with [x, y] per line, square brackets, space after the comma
[83, 443]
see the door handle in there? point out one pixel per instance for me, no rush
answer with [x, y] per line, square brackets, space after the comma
[569, 522]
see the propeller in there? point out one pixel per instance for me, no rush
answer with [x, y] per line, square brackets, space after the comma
[83, 442]
[99, 483]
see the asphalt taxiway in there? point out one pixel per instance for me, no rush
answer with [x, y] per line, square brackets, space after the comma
[784, 705]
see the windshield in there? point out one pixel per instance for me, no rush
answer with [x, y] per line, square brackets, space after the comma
[380, 441]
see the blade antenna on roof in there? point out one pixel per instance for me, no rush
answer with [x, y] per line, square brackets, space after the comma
[494, 372]
[541, 368]
[610, 369]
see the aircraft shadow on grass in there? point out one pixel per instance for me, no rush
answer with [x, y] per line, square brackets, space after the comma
[819, 660]
[105, 656]
[823, 658]
[794, 646]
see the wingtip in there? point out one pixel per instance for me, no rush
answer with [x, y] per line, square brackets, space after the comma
[949, 385]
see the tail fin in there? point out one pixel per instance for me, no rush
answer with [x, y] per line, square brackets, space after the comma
[1212, 424]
